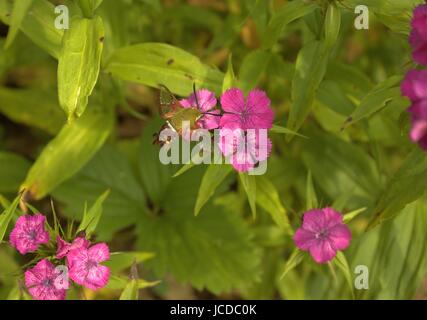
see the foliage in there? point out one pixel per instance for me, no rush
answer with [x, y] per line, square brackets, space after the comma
[80, 106]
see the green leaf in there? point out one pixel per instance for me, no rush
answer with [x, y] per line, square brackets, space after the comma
[131, 291]
[253, 67]
[123, 260]
[13, 169]
[332, 25]
[212, 178]
[310, 70]
[69, 151]
[109, 169]
[268, 198]
[405, 186]
[286, 14]
[155, 176]
[392, 249]
[19, 11]
[88, 7]
[353, 214]
[336, 166]
[6, 217]
[39, 25]
[293, 261]
[19, 106]
[282, 130]
[79, 64]
[311, 198]
[157, 63]
[341, 262]
[187, 247]
[184, 169]
[91, 218]
[230, 80]
[120, 283]
[249, 185]
[377, 99]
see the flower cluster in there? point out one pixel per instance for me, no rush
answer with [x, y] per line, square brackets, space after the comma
[244, 119]
[414, 86]
[322, 233]
[48, 280]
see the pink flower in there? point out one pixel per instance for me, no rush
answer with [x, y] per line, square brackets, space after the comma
[323, 233]
[414, 86]
[29, 232]
[42, 282]
[252, 113]
[244, 149]
[418, 36]
[85, 268]
[64, 247]
[418, 132]
[206, 103]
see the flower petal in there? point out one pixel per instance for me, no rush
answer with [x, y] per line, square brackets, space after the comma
[340, 236]
[332, 217]
[233, 101]
[210, 121]
[99, 252]
[304, 239]
[97, 277]
[313, 220]
[260, 115]
[322, 251]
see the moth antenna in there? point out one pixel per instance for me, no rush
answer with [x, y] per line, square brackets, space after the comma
[195, 95]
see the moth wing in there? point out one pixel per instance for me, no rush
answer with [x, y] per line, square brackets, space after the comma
[169, 104]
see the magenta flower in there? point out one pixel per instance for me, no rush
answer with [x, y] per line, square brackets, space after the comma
[323, 233]
[252, 113]
[42, 282]
[244, 149]
[64, 247]
[85, 268]
[29, 232]
[206, 103]
[418, 132]
[414, 86]
[418, 36]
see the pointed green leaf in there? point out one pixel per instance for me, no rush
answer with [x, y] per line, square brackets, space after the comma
[249, 184]
[332, 24]
[158, 63]
[341, 262]
[38, 25]
[311, 198]
[405, 186]
[293, 261]
[309, 72]
[79, 64]
[268, 198]
[353, 214]
[131, 291]
[289, 12]
[212, 178]
[120, 283]
[19, 105]
[184, 169]
[230, 80]
[19, 11]
[6, 217]
[377, 99]
[88, 7]
[253, 67]
[69, 151]
[91, 218]
[282, 130]
[123, 260]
